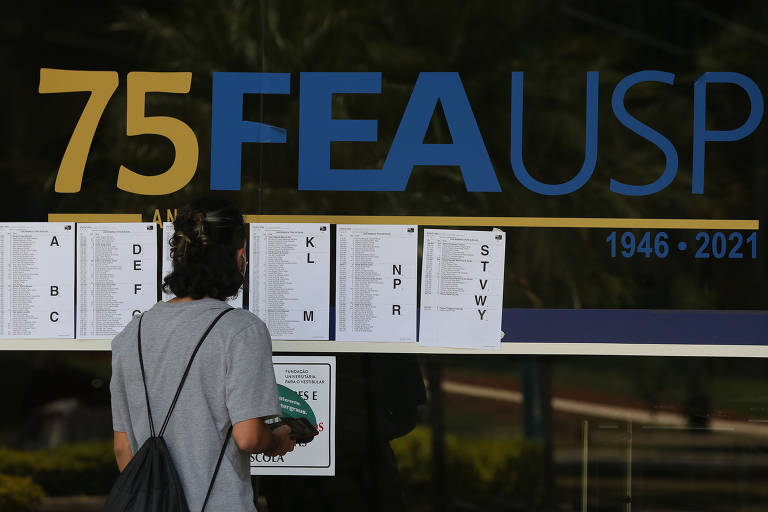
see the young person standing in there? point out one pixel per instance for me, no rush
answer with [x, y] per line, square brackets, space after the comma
[231, 381]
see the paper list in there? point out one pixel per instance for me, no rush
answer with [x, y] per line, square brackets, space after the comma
[376, 282]
[116, 276]
[37, 280]
[290, 279]
[462, 285]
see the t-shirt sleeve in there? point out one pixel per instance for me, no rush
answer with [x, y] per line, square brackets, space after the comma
[251, 388]
[119, 397]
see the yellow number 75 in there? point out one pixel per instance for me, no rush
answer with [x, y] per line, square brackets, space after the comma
[102, 85]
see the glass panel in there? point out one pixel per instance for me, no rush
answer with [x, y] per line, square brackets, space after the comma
[496, 432]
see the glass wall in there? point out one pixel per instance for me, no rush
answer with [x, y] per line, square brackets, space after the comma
[495, 433]
[453, 432]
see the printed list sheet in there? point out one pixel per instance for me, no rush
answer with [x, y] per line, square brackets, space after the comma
[376, 282]
[290, 279]
[462, 285]
[37, 280]
[116, 275]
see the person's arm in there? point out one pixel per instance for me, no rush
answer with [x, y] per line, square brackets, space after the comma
[254, 436]
[120, 412]
[123, 453]
[251, 393]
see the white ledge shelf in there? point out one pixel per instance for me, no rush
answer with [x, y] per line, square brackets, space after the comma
[508, 348]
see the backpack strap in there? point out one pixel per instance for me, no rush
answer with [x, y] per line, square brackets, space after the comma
[216, 470]
[186, 371]
[144, 380]
[183, 378]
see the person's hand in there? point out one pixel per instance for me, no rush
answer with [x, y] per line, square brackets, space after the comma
[284, 443]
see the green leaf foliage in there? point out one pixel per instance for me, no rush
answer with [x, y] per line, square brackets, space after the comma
[19, 494]
[487, 468]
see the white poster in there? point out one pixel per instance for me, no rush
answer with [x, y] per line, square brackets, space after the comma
[307, 387]
[290, 279]
[462, 285]
[37, 280]
[116, 275]
[376, 282]
[167, 267]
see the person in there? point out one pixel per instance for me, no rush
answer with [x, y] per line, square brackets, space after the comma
[231, 381]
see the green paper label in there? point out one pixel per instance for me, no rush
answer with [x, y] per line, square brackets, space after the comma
[294, 406]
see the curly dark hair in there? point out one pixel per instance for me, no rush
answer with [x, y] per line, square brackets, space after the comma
[208, 234]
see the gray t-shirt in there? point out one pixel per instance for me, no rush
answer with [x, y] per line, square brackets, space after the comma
[231, 380]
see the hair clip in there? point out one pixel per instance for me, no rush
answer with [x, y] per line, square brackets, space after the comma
[179, 249]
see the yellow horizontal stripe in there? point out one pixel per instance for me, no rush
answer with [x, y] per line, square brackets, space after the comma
[94, 217]
[426, 220]
[519, 222]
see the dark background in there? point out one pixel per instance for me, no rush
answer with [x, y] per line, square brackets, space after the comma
[554, 43]
[531, 450]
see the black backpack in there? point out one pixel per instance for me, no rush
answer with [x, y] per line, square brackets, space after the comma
[150, 483]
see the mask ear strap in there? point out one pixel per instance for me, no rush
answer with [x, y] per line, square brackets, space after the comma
[244, 266]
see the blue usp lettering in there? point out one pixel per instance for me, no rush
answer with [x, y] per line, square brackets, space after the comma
[700, 133]
[516, 141]
[228, 129]
[646, 132]
[317, 129]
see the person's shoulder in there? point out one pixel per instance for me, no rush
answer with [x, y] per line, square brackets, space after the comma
[239, 319]
[127, 335]
[244, 327]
